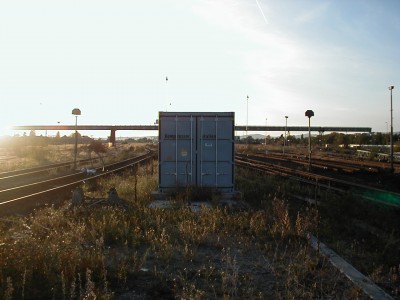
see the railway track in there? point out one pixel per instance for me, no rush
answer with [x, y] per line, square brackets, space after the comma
[364, 190]
[371, 173]
[328, 162]
[371, 227]
[25, 197]
[26, 176]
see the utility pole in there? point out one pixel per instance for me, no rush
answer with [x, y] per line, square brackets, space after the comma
[266, 122]
[284, 138]
[247, 114]
[391, 129]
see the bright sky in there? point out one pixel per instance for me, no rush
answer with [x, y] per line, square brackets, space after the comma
[111, 59]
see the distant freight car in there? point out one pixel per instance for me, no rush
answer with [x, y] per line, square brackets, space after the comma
[196, 149]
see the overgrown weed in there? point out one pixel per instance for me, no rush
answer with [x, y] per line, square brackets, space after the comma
[105, 252]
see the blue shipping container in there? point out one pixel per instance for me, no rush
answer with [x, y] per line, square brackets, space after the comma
[196, 149]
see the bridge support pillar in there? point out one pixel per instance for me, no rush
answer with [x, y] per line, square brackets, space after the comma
[112, 137]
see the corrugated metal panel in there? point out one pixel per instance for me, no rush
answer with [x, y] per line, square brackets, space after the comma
[196, 149]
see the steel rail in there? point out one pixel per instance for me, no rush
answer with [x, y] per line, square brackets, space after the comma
[322, 181]
[323, 163]
[46, 168]
[55, 190]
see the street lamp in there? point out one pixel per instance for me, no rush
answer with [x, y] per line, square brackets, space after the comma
[247, 114]
[76, 112]
[284, 139]
[309, 114]
[391, 129]
[387, 133]
[166, 93]
[266, 135]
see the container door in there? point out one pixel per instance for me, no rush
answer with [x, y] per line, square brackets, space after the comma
[215, 152]
[177, 160]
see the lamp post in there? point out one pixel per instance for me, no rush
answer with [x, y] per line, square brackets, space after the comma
[284, 138]
[386, 133]
[166, 93]
[309, 114]
[266, 122]
[391, 129]
[76, 112]
[247, 114]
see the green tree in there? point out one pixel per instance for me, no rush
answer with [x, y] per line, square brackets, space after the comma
[342, 139]
[331, 138]
[379, 139]
[364, 139]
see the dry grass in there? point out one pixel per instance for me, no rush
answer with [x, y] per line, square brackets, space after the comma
[23, 156]
[106, 252]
